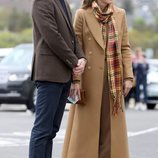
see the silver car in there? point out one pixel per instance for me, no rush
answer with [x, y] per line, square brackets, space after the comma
[152, 84]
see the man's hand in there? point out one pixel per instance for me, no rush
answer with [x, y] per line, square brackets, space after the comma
[80, 66]
[75, 90]
[127, 86]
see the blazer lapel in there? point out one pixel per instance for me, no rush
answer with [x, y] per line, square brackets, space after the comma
[94, 27]
[65, 16]
[117, 18]
[69, 13]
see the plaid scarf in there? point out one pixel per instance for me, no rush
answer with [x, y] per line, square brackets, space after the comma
[110, 36]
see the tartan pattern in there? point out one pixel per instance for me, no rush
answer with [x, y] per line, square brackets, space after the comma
[110, 36]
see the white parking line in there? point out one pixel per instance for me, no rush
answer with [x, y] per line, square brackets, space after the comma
[17, 139]
[13, 142]
[150, 130]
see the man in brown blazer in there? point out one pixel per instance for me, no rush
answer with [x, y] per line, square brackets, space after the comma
[57, 56]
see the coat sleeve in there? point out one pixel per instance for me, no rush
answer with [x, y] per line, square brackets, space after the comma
[78, 26]
[44, 17]
[126, 51]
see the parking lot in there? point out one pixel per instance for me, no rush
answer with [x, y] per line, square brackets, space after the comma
[38, 44]
[16, 124]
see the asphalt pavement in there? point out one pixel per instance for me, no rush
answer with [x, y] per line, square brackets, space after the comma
[16, 124]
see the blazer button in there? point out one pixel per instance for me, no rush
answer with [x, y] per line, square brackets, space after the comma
[68, 62]
[89, 68]
[90, 53]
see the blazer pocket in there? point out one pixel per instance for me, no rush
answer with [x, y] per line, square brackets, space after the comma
[46, 52]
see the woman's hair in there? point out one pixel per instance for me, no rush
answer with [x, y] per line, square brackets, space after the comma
[87, 3]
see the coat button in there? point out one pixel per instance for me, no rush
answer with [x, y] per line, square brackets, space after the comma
[90, 52]
[89, 38]
[89, 68]
[101, 68]
[102, 52]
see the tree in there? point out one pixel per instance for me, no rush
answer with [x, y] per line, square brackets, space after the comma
[4, 15]
[18, 21]
[140, 24]
[128, 6]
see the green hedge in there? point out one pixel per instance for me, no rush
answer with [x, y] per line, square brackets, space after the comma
[10, 39]
[144, 39]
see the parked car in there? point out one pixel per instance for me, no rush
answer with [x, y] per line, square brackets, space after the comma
[152, 84]
[15, 84]
[4, 52]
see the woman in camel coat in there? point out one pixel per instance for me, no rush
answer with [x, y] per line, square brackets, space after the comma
[98, 128]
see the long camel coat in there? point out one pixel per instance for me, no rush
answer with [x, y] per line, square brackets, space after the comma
[83, 130]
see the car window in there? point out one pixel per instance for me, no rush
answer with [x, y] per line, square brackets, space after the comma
[153, 67]
[20, 56]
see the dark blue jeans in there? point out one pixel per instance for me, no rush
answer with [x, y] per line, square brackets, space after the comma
[141, 81]
[51, 101]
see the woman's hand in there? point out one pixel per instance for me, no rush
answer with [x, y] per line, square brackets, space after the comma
[75, 90]
[128, 84]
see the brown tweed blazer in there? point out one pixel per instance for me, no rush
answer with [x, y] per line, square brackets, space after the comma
[56, 49]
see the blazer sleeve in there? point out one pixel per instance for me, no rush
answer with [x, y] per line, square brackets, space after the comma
[126, 51]
[44, 17]
[78, 27]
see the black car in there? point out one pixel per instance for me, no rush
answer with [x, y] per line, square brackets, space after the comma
[15, 84]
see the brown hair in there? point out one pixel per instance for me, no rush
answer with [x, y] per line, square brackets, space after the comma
[87, 3]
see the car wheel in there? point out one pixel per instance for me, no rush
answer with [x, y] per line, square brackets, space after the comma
[151, 106]
[31, 104]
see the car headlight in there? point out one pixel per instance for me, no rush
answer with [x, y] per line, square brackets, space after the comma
[18, 77]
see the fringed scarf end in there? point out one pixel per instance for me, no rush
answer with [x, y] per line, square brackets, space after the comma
[117, 106]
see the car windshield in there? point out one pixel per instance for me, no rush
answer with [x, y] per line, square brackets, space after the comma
[21, 56]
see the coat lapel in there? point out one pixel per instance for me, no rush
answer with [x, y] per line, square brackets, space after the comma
[65, 16]
[94, 27]
[117, 18]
